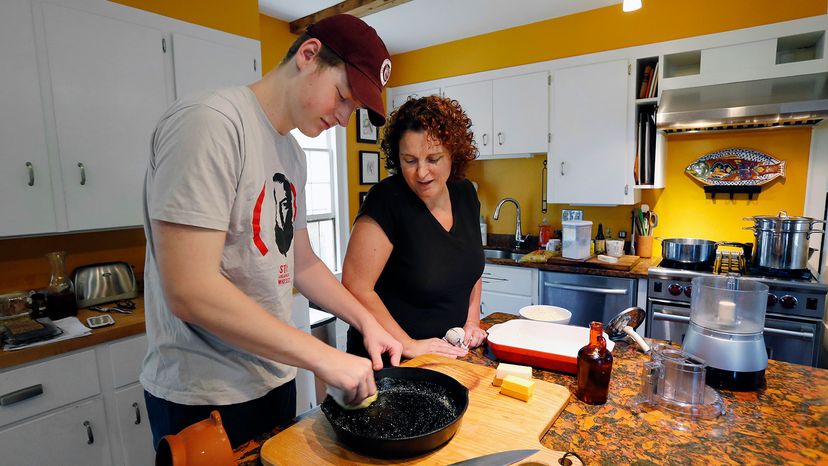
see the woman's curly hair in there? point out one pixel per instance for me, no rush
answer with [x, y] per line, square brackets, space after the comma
[438, 117]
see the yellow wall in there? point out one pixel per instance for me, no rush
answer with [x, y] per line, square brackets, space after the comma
[588, 32]
[239, 17]
[686, 210]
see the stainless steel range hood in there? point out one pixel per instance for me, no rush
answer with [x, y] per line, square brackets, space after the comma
[764, 103]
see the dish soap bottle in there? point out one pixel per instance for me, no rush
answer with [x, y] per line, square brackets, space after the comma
[545, 233]
[594, 367]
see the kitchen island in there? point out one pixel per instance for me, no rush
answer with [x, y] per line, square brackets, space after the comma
[787, 422]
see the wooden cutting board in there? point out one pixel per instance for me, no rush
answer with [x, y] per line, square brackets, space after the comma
[624, 263]
[492, 423]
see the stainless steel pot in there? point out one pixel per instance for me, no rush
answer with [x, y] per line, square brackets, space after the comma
[781, 241]
[688, 250]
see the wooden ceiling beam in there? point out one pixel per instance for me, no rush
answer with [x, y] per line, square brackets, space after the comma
[358, 8]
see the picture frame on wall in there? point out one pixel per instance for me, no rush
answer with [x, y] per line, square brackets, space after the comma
[366, 132]
[369, 167]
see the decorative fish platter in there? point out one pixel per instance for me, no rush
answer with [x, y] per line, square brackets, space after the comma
[736, 167]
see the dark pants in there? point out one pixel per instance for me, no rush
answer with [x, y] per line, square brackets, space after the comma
[242, 421]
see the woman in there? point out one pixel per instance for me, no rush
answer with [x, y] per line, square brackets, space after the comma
[415, 258]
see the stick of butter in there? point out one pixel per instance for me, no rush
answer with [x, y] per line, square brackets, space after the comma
[504, 369]
[517, 387]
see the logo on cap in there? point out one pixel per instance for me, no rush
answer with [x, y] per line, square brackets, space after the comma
[385, 71]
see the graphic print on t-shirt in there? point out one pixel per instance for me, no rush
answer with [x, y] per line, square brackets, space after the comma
[284, 194]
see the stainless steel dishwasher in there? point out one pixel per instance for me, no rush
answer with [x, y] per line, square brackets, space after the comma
[588, 297]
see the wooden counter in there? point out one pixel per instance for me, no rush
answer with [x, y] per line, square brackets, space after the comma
[785, 423]
[125, 325]
[638, 271]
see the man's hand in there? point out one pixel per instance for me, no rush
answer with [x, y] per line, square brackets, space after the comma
[433, 346]
[377, 341]
[352, 374]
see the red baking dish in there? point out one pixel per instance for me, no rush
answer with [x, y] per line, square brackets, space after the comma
[540, 344]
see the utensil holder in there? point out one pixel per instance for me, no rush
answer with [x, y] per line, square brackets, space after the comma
[644, 246]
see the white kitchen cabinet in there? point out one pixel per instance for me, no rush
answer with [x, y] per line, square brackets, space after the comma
[25, 184]
[510, 116]
[476, 100]
[507, 289]
[202, 65]
[133, 430]
[591, 153]
[400, 99]
[71, 436]
[108, 91]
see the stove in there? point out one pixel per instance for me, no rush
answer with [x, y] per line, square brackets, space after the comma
[794, 330]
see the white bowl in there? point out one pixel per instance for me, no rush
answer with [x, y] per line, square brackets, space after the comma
[544, 313]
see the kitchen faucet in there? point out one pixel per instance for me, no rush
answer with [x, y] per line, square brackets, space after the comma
[519, 238]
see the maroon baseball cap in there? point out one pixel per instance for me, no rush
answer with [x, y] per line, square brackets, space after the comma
[367, 62]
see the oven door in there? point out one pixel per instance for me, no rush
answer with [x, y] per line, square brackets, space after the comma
[667, 321]
[792, 340]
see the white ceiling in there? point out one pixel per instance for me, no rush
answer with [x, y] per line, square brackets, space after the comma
[423, 23]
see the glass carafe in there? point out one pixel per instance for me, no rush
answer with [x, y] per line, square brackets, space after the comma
[60, 295]
[594, 367]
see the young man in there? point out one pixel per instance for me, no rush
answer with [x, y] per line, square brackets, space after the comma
[224, 216]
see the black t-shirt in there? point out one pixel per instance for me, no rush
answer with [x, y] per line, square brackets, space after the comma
[429, 276]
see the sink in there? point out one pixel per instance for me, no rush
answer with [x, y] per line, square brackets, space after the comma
[502, 254]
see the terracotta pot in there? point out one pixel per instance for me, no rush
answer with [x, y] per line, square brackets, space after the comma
[644, 246]
[204, 443]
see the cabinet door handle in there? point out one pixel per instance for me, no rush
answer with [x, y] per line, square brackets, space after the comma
[562, 168]
[30, 169]
[83, 173]
[90, 438]
[137, 413]
[500, 138]
[20, 395]
[485, 139]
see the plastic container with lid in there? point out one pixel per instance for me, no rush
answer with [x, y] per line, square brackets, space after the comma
[577, 236]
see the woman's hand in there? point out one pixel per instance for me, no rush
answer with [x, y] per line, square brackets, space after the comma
[475, 336]
[432, 346]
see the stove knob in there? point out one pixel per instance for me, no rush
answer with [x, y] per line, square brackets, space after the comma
[772, 299]
[674, 289]
[788, 301]
[688, 291]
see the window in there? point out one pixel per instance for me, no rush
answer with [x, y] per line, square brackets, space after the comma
[324, 209]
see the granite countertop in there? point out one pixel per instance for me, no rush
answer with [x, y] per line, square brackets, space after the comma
[787, 422]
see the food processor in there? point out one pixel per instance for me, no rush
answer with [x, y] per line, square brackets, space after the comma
[727, 318]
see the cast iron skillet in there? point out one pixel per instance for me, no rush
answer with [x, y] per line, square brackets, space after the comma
[417, 410]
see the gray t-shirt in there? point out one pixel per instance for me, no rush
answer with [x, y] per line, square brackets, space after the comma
[218, 163]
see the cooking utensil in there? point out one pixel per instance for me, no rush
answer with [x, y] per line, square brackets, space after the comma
[781, 241]
[518, 424]
[539, 344]
[504, 458]
[625, 323]
[417, 410]
[692, 251]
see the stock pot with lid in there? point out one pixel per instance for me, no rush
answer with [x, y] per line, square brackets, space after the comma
[781, 241]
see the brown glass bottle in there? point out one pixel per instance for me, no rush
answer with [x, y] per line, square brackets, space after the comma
[594, 367]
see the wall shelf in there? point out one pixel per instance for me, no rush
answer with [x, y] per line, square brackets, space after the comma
[732, 190]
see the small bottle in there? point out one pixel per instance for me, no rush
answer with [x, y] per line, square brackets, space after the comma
[483, 229]
[545, 233]
[594, 367]
[600, 241]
